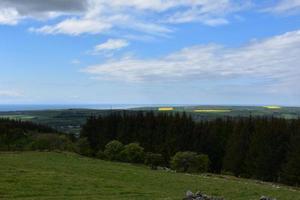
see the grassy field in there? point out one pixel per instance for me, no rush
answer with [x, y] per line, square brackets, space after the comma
[18, 117]
[41, 176]
[212, 111]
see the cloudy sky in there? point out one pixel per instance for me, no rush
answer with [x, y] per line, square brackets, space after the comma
[150, 52]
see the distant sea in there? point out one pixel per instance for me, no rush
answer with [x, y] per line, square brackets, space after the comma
[19, 107]
[27, 107]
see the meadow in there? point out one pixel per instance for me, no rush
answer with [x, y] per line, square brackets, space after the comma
[45, 176]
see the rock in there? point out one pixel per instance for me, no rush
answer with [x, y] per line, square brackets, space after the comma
[266, 198]
[189, 194]
[199, 196]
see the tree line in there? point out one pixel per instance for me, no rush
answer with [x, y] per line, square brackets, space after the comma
[189, 162]
[264, 148]
[17, 135]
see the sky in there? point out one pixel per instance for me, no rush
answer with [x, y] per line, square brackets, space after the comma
[225, 52]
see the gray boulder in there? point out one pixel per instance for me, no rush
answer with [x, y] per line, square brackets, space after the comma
[266, 198]
[189, 195]
[199, 196]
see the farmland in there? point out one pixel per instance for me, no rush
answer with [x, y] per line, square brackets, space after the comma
[70, 120]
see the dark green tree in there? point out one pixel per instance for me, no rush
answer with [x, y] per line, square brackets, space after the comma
[113, 150]
[190, 162]
[154, 160]
[83, 147]
[291, 172]
[133, 153]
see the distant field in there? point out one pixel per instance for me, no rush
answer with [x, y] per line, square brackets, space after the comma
[166, 109]
[18, 117]
[212, 111]
[56, 176]
[273, 107]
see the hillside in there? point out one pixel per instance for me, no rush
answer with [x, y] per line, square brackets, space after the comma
[44, 176]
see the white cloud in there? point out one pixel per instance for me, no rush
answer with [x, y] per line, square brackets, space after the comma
[9, 16]
[274, 60]
[75, 26]
[9, 93]
[111, 44]
[285, 6]
[101, 16]
[75, 62]
[207, 12]
[216, 22]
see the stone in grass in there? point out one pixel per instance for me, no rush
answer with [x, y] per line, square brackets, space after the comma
[266, 198]
[189, 194]
[199, 196]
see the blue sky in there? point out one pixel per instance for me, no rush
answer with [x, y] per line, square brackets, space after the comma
[150, 52]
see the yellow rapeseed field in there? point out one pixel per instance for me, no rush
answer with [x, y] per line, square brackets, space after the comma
[211, 111]
[166, 109]
[272, 107]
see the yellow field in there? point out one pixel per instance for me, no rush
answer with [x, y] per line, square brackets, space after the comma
[166, 109]
[272, 107]
[211, 111]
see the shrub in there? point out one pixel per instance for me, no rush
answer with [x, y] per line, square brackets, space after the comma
[13, 139]
[153, 160]
[83, 147]
[203, 163]
[51, 142]
[113, 150]
[101, 155]
[190, 162]
[133, 153]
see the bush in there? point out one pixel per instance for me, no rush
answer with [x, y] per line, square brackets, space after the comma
[190, 162]
[51, 142]
[101, 155]
[13, 140]
[83, 147]
[133, 153]
[113, 150]
[203, 163]
[153, 160]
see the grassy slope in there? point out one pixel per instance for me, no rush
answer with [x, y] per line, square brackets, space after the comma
[68, 176]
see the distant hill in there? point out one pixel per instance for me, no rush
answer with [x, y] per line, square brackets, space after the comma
[212, 112]
[70, 120]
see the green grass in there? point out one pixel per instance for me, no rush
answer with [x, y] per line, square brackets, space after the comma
[41, 176]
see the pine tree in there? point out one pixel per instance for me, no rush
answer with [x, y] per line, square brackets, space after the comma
[291, 173]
